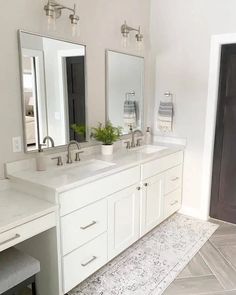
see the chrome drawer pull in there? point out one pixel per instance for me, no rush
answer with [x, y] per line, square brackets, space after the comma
[174, 203]
[88, 262]
[17, 236]
[174, 179]
[89, 225]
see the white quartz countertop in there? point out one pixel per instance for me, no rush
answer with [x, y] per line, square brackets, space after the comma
[61, 179]
[18, 208]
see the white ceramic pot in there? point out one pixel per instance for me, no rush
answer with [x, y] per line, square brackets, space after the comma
[107, 150]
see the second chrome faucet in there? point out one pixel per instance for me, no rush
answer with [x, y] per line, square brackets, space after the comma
[77, 157]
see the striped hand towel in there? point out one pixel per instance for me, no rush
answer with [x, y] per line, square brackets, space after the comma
[130, 112]
[165, 116]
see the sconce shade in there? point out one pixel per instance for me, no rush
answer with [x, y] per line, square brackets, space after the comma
[125, 31]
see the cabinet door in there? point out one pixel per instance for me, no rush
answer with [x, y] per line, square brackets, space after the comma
[123, 220]
[152, 203]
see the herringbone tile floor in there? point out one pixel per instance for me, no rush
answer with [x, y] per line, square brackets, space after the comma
[213, 270]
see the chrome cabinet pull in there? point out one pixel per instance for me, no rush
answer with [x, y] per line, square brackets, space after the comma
[17, 236]
[174, 179]
[89, 225]
[88, 262]
[174, 203]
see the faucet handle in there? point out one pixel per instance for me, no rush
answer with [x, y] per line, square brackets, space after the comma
[59, 160]
[127, 144]
[139, 140]
[77, 155]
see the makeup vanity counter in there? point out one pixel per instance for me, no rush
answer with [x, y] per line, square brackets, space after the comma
[105, 205]
[23, 216]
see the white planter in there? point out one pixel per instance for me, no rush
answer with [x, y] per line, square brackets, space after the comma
[107, 149]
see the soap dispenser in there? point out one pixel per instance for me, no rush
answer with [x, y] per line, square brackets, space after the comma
[148, 136]
[41, 164]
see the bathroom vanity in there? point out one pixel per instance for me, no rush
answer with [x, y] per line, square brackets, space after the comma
[105, 205]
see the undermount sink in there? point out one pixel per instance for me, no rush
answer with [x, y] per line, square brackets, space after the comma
[150, 149]
[85, 167]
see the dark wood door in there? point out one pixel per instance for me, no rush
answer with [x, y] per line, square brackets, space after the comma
[223, 194]
[76, 94]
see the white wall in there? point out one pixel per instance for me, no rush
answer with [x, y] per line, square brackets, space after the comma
[100, 29]
[180, 33]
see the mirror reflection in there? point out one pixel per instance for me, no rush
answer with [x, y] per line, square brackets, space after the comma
[53, 90]
[125, 83]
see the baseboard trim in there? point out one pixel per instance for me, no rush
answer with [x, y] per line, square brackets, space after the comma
[189, 211]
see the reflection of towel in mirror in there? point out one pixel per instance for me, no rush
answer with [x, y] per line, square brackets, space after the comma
[165, 116]
[130, 112]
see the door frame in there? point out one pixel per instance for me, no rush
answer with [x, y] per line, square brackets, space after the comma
[217, 41]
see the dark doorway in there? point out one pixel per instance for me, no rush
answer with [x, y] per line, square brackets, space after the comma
[76, 96]
[223, 193]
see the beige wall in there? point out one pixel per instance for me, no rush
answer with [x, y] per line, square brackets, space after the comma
[181, 32]
[100, 29]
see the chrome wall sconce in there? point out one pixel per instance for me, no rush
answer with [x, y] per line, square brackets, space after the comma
[125, 31]
[53, 11]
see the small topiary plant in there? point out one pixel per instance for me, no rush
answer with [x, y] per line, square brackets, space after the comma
[107, 134]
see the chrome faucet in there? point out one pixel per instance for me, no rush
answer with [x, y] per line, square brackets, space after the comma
[133, 133]
[77, 158]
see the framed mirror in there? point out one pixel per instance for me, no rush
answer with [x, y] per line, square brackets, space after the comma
[53, 91]
[124, 90]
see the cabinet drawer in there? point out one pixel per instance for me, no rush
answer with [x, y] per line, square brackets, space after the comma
[159, 165]
[94, 191]
[172, 203]
[27, 230]
[173, 179]
[83, 225]
[81, 263]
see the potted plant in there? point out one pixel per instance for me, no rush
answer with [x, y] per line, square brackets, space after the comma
[107, 134]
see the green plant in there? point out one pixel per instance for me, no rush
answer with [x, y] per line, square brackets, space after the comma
[79, 129]
[107, 133]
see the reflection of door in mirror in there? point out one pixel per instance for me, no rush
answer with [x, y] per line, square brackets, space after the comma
[125, 80]
[56, 70]
[76, 95]
[34, 97]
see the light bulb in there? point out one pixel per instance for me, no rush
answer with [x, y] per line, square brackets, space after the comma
[139, 45]
[125, 41]
[51, 23]
[74, 30]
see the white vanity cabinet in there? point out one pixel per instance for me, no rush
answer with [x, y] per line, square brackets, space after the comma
[161, 190]
[98, 221]
[152, 202]
[101, 219]
[123, 220]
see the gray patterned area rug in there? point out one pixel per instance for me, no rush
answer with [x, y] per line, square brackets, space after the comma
[150, 265]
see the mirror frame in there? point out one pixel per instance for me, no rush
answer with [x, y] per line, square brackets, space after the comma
[107, 86]
[87, 142]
